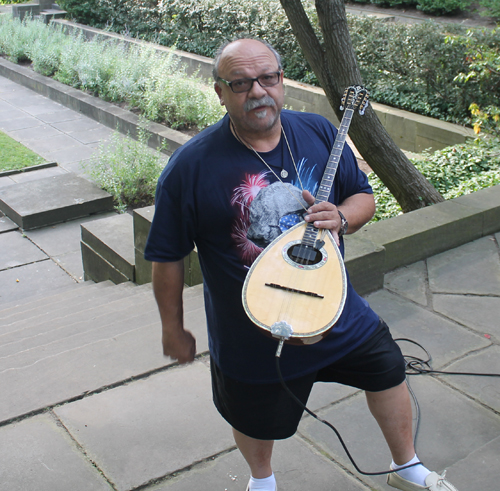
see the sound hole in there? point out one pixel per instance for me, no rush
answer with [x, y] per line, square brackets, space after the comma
[305, 255]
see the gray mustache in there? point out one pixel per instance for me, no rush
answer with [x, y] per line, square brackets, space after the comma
[263, 101]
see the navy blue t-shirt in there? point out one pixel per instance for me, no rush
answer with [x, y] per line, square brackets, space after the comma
[203, 198]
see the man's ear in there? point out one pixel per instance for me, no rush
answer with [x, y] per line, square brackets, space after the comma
[218, 89]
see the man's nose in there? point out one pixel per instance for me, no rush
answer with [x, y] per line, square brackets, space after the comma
[256, 91]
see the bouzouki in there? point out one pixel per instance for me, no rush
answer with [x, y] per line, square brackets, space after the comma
[296, 288]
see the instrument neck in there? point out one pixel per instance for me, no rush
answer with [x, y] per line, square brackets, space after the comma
[325, 187]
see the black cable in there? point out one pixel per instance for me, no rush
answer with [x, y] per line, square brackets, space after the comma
[413, 366]
[418, 366]
[315, 416]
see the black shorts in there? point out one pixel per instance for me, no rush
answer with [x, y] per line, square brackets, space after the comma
[267, 412]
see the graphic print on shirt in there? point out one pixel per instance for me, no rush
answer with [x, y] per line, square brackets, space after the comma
[265, 210]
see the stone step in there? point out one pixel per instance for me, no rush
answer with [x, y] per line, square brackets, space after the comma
[31, 341]
[51, 200]
[65, 308]
[108, 249]
[48, 15]
[51, 300]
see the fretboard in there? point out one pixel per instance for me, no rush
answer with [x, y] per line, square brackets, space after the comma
[325, 187]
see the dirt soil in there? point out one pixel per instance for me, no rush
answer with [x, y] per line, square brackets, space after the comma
[470, 18]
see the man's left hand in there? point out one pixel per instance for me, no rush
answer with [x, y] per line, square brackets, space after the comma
[323, 215]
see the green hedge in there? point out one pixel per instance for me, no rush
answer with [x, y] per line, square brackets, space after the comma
[412, 67]
[440, 7]
[453, 171]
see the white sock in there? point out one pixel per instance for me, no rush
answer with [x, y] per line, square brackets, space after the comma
[266, 484]
[416, 474]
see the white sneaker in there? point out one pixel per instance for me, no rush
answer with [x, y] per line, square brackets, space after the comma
[433, 482]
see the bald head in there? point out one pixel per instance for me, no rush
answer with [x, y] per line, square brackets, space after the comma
[229, 46]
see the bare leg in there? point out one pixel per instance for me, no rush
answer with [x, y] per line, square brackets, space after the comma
[257, 453]
[392, 410]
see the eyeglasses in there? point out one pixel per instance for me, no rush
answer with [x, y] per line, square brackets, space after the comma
[246, 84]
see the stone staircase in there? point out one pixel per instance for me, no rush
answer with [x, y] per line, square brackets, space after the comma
[63, 346]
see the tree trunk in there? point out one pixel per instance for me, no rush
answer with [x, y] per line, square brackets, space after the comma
[335, 65]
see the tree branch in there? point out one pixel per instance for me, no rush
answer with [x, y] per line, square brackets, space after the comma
[335, 65]
[304, 32]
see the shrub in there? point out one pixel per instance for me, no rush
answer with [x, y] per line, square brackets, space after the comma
[86, 11]
[442, 6]
[392, 3]
[486, 119]
[492, 8]
[128, 170]
[483, 76]
[153, 82]
[453, 171]
[45, 50]
[14, 38]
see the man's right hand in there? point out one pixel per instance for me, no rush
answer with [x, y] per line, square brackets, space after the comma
[168, 285]
[180, 346]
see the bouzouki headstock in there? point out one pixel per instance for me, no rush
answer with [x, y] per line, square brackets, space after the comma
[355, 97]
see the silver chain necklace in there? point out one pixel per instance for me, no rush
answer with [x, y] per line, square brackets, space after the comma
[284, 172]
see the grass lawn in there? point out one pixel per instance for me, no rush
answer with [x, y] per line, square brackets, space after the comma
[15, 156]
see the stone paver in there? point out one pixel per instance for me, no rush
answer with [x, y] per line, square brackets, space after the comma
[63, 237]
[39, 174]
[38, 454]
[32, 279]
[47, 127]
[444, 339]
[71, 262]
[485, 389]
[98, 343]
[308, 469]
[33, 134]
[479, 313]
[409, 282]
[454, 271]
[475, 471]
[17, 250]
[115, 426]
[20, 122]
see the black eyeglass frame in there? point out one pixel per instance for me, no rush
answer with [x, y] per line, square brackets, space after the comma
[252, 81]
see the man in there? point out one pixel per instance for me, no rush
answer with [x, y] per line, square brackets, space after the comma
[209, 195]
